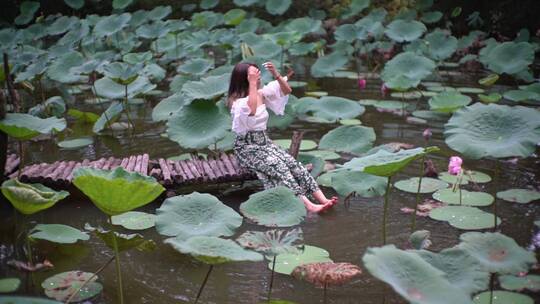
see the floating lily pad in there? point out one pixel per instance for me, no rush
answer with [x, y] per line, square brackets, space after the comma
[508, 57]
[58, 233]
[134, 220]
[352, 139]
[502, 297]
[31, 198]
[530, 282]
[273, 242]
[121, 241]
[213, 250]
[185, 216]
[297, 84]
[285, 263]
[442, 89]
[452, 179]
[25, 300]
[316, 162]
[407, 95]
[75, 143]
[26, 126]
[431, 115]
[463, 217]
[493, 97]
[363, 184]
[305, 144]
[61, 286]
[324, 154]
[350, 122]
[448, 101]
[329, 108]
[274, 207]
[468, 198]
[469, 90]
[469, 175]
[404, 30]
[316, 93]
[521, 95]
[428, 185]
[489, 80]
[522, 196]
[9, 285]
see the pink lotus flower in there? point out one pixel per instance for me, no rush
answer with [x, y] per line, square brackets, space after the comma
[362, 83]
[454, 166]
[427, 134]
[384, 90]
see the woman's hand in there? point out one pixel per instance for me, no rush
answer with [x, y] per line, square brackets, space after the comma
[253, 75]
[269, 66]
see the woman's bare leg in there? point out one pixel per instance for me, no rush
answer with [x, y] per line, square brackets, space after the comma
[319, 195]
[311, 207]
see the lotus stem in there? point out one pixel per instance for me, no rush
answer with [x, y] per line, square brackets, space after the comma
[21, 159]
[108, 123]
[324, 292]
[495, 178]
[491, 287]
[418, 194]
[385, 213]
[204, 283]
[460, 197]
[271, 278]
[90, 279]
[132, 126]
[175, 45]
[118, 270]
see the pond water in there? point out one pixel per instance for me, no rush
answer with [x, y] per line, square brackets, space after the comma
[165, 276]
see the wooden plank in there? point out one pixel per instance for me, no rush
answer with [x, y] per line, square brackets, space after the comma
[197, 175]
[177, 177]
[138, 164]
[156, 173]
[180, 170]
[167, 178]
[108, 163]
[227, 162]
[144, 164]
[215, 168]
[222, 168]
[124, 162]
[187, 171]
[131, 163]
[40, 178]
[209, 171]
[63, 176]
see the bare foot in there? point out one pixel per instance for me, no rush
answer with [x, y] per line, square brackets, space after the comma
[316, 208]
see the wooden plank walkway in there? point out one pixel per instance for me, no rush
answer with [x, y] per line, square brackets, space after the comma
[218, 168]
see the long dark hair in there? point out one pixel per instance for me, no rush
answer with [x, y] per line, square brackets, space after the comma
[239, 86]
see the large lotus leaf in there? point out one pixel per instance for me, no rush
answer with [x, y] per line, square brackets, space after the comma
[109, 25]
[493, 130]
[324, 154]
[406, 70]
[213, 250]
[109, 116]
[62, 285]
[325, 179]
[9, 285]
[530, 282]
[28, 9]
[463, 217]
[508, 57]
[352, 139]
[58, 233]
[502, 297]
[326, 273]
[122, 241]
[329, 108]
[273, 242]
[441, 45]
[468, 176]
[108, 88]
[461, 269]
[31, 198]
[196, 214]
[428, 185]
[208, 4]
[412, 277]
[521, 95]
[287, 262]
[121, 4]
[282, 121]
[274, 207]
[134, 220]
[122, 72]
[134, 58]
[317, 163]
[153, 30]
[522, 196]
[366, 185]
[62, 68]
[497, 252]
[384, 163]
[26, 300]
[75, 143]
[304, 25]
[355, 8]
[468, 198]
[432, 17]
[328, 64]
[196, 66]
[234, 16]
[25, 126]
[245, 2]
[116, 191]
[167, 107]
[207, 88]
[306, 144]
[159, 12]
[198, 125]
[403, 30]
[448, 102]
[277, 7]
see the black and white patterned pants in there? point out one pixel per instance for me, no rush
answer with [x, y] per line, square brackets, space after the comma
[273, 165]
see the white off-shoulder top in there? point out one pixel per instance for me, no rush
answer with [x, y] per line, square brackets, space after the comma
[273, 99]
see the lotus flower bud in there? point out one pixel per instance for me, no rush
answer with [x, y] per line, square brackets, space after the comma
[427, 134]
[362, 83]
[454, 166]
[384, 90]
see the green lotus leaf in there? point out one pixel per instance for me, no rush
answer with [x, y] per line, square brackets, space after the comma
[406, 70]
[453, 179]
[502, 297]
[432, 17]
[508, 57]
[420, 239]
[428, 185]
[122, 73]
[9, 285]
[461, 269]
[468, 198]
[117, 191]
[207, 20]
[493, 97]
[463, 217]
[356, 7]
[108, 88]
[208, 4]
[305, 144]
[431, 115]
[316, 93]
[62, 68]
[350, 122]
[234, 16]
[325, 179]
[403, 30]
[30, 198]
[245, 2]
[534, 87]
[329, 108]
[408, 95]
[26, 300]
[123, 241]
[109, 116]
[530, 282]
[522, 196]
[134, 58]
[489, 80]
[496, 252]
[159, 12]
[282, 121]
[317, 163]
[287, 262]
[58, 233]
[324, 154]
[111, 24]
[196, 66]
[442, 89]
[469, 175]
[493, 130]
[75, 4]
[411, 276]
[390, 104]
[207, 88]
[297, 84]
[273, 242]
[441, 45]
[304, 25]
[277, 7]
[352, 139]
[28, 9]
[76, 143]
[25, 126]
[168, 107]
[63, 285]
[363, 184]
[521, 95]
[213, 250]
[328, 64]
[384, 163]
[448, 102]
[53, 106]
[196, 214]
[121, 4]
[134, 220]
[275, 207]
[348, 32]
[470, 90]
[198, 125]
